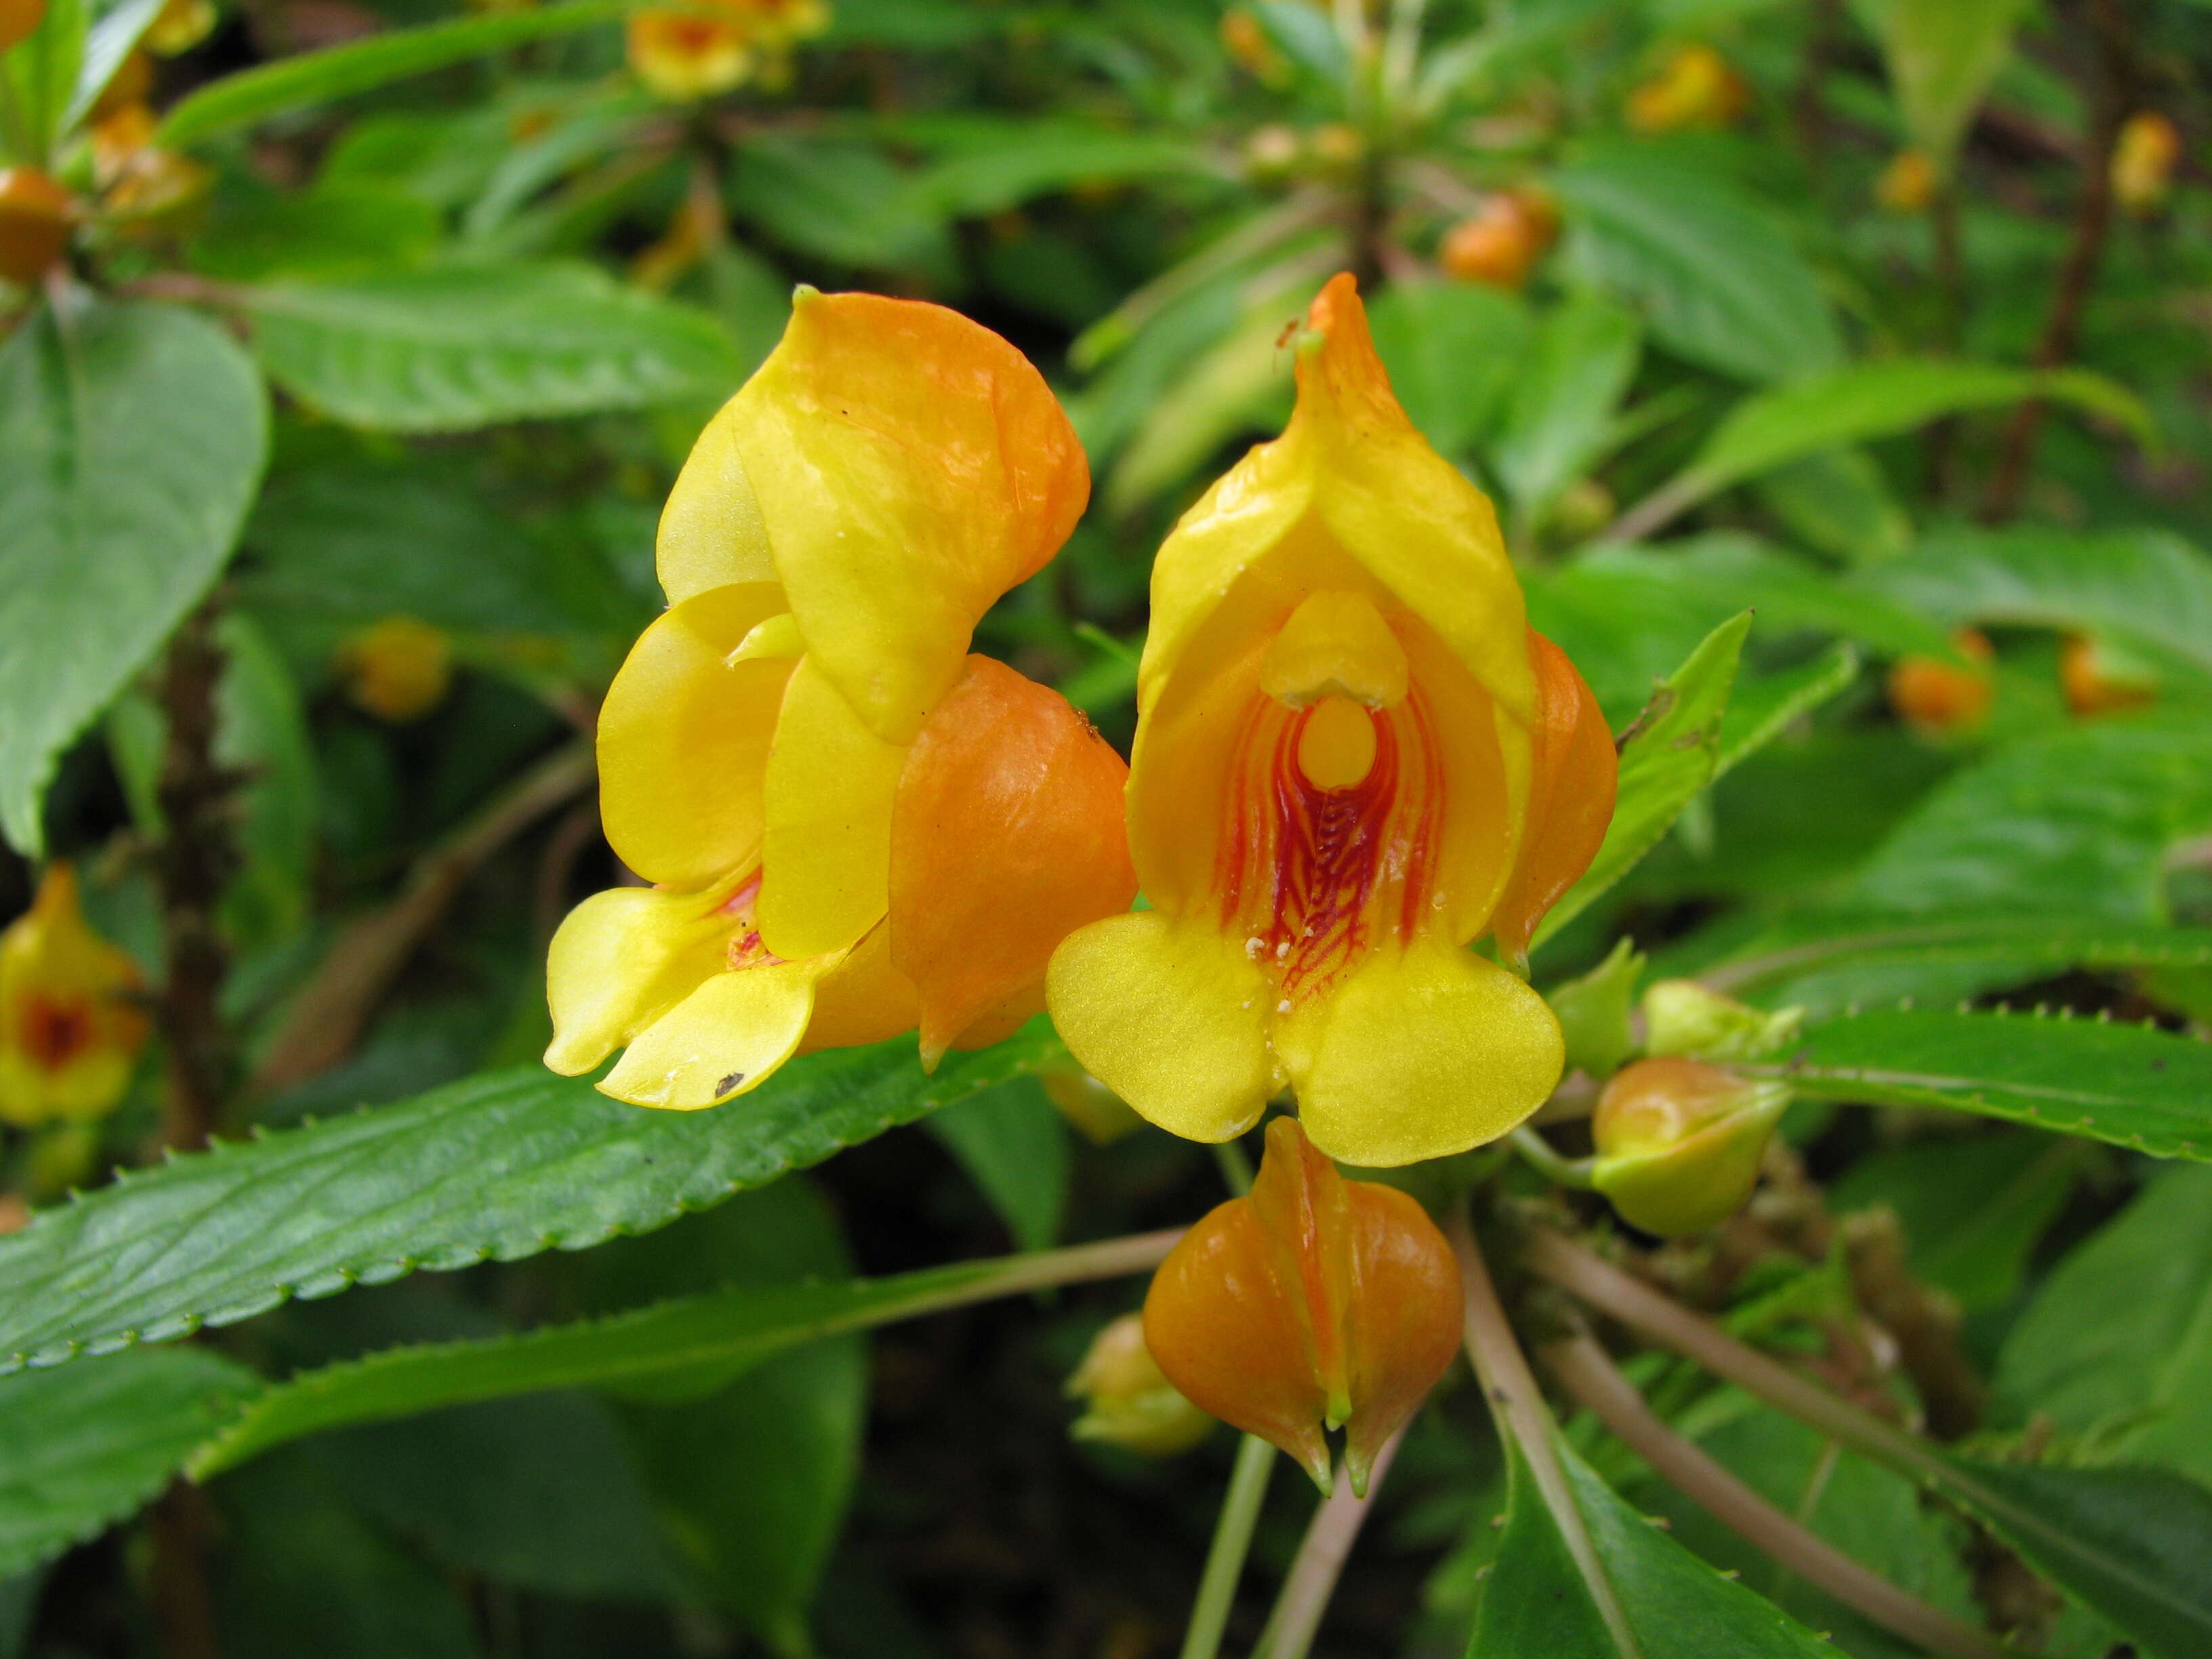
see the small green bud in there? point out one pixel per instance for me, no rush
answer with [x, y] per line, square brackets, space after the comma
[1131, 1402]
[1103, 1115]
[1681, 1016]
[1593, 1012]
[1679, 1142]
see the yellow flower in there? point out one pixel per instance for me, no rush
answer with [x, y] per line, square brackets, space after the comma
[1694, 87]
[154, 187]
[695, 53]
[1907, 185]
[179, 26]
[853, 827]
[398, 670]
[1353, 758]
[2144, 159]
[69, 1033]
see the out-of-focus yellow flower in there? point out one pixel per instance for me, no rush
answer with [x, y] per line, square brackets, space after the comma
[70, 1031]
[1695, 88]
[1501, 242]
[1245, 40]
[1907, 185]
[698, 52]
[1130, 1403]
[153, 188]
[1336, 146]
[853, 826]
[1353, 756]
[19, 19]
[2144, 159]
[34, 223]
[1941, 698]
[179, 26]
[398, 670]
[1313, 1302]
[1272, 153]
[2098, 681]
[1679, 1142]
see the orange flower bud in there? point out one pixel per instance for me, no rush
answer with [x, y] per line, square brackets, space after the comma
[1131, 1402]
[2144, 158]
[2097, 681]
[34, 220]
[179, 26]
[1502, 241]
[1939, 697]
[1679, 1142]
[398, 670]
[1313, 1302]
[1695, 88]
[19, 19]
[69, 1033]
[1907, 185]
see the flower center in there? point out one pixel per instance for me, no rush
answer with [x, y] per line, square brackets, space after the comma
[56, 1032]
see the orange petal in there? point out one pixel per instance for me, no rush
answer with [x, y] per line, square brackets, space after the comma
[863, 999]
[1570, 796]
[1404, 1318]
[1007, 837]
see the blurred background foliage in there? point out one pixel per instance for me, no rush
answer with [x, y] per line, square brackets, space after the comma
[1890, 320]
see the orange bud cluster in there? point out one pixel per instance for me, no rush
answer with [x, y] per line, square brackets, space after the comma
[1941, 697]
[1314, 1302]
[1501, 242]
[34, 221]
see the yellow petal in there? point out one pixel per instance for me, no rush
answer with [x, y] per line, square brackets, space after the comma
[864, 999]
[1171, 1015]
[826, 855]
[621, 959]
[69, 1034]
[909, 466]
[726, 1039]
[683, 739]
[1419, 1054]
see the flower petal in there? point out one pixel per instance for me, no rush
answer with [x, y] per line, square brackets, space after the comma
[1404, 1322]
[1570, 795]
[1007, 837]
[1419, 1054]
[683, 739]
[1168, 1015]
[621, 959]
[909, 466]
[864, 999]
[826, 852]
[726, 1039]
[711, 530]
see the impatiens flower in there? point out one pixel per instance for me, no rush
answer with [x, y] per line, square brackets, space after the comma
[1696, 87]
[398, 670]
[1501, 242]
[1940, 698]
[1353, 757]
[2143, 157]
[1907, 185]
[1314, 1302]
[853, 827]
[69, 1030]
[1679, 1142]
[698, 51]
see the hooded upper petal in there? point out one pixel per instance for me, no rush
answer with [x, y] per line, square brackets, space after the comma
[1575, 774]
[895, 467]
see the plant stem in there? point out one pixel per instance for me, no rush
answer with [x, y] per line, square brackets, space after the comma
[193, 864]
[1236, 1166]
[1549, 1161]
[2092, 223]
[1592, 1279]
[1518, 1408]
[1588, 1373]
[1329, 1541]
[1233, 1538]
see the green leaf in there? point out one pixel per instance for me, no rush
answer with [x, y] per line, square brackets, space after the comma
[263, 731]
[472, 345]
[1763, 709]
[2116, 1348]
[1663, 766]
[839, 201]
[341, 227]
[1942, 56]
[1861, 401]
[498, 1167]
[106, 43]
[2135, 1545]
[2132, 1086]
[1241, 386]
[1722, 286]
[1561, 416]
[1976, 1252]
[1014, 1144]
[84, 1448]
[318, 77]
[134, 434]
[43, 71]
[1840, 502]
[706, 1341]
[1038, 158]
[1809, 942]
[1536, 1601]
[1455, 351]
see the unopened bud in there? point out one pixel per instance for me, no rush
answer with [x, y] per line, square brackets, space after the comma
[1315, 1303]
[396, 670]
[1102, 1116]
[1501, 242]
[1129, 1401]
[1681, 1016]
[1939, 697]
[1678, 1143]
[1907, 185]
[179, 26]
[1593, 1012]
[2143, 157]
[1695, 88]
[34, 221]
[2098, 679]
